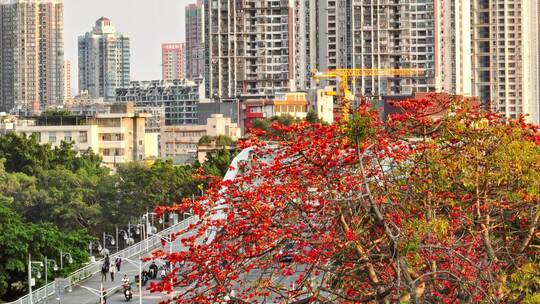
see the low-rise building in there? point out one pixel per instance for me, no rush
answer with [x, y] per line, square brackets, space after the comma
[180, 142]
[118, 136]
[7, 123]
[294, 104]
[322, 104]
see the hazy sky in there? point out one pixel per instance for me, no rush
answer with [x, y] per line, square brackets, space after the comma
[148, 23]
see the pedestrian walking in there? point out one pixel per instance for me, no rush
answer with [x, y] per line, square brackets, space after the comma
[112, 270]
[103, 295]
[104, 271]
[118, 263]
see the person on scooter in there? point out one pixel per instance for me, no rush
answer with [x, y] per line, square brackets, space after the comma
[153, 270]
[128, 294]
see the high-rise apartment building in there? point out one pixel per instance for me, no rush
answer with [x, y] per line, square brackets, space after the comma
[195, 39]
[173, 61]
[379, 34]
[104, 60]
[68, 94]
[32, 55]
[453, 46]
[505, 56]
[249, 47]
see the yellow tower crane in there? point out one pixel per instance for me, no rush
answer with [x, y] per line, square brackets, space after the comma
[343, 94]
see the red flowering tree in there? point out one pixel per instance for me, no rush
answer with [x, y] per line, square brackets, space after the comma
[438, 204]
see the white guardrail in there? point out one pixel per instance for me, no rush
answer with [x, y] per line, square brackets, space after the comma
[88, 271]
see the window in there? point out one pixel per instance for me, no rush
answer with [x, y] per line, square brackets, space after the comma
[83, 137]
[67, 137]
[52, 137]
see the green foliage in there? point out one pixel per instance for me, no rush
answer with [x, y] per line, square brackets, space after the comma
[261, 124]
[220, 140]
[137, 187]
[312, 117]
[25, 154]
[205, 140]
[217, 163]
[358, 128]
[265, 123]
[524, 284]
[19, 238]
[57, 113]
[53, 199]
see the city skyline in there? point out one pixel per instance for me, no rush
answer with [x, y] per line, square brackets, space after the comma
[165, 24]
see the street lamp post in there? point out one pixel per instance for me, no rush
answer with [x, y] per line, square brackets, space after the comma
[68, 255]
[169, 241]
[55, 268]
[149, 228]
[30, 262]
[124, 233]
[92, 243]
[108, 237]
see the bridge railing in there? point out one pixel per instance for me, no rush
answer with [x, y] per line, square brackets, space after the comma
[88, 271]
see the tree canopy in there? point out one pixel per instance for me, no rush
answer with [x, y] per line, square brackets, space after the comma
[54, 197]
[424, 207]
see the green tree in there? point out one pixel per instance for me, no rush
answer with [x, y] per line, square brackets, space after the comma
[137, 187]
[217, 162]
[205, 140]
[19, 238]
[56, 113]
[312, 117]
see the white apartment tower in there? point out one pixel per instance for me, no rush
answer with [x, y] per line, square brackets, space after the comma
[31, 54]
[505, 56]
[453, 47]
[104, 60]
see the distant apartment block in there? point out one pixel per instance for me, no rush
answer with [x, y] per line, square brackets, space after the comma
[180, 142]
[169, 102]
[506, 56]
[68, 93]
[195, 40]
[31, 55]
[249, 48]
[368, 34]
[118, 136]
[104, 60]
[173, 61]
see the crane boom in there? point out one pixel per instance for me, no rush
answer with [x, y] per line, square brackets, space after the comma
[343, 75]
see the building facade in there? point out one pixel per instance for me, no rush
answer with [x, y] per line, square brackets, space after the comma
[249, 48]
[118, 136]
[173, 61]
[68, 93]
[169, 102]
[371, 34]
[32, 54]
[104, 60]
[454, 47]
[180, 142]
[294, 104]
[505, 56]
[195, 40]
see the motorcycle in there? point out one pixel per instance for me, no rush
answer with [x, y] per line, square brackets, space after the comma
[128, 293]
[152, 273]
[164, 271]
